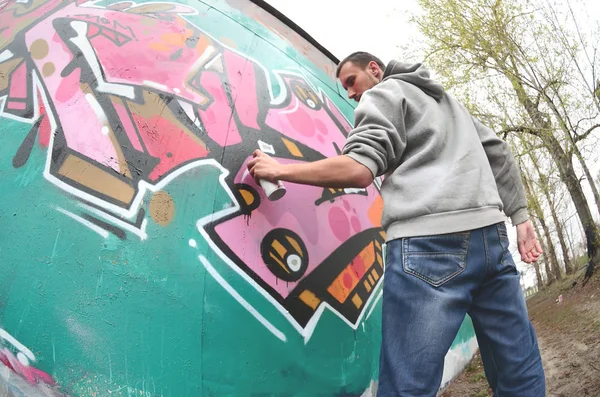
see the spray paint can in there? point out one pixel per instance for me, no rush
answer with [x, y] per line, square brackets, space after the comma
[274, 191]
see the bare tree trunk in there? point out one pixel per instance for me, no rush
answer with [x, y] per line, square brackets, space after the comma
[588, 175]
[574, 149]
[551, 252]
[536, 265]
[546, 191]
[543, 130]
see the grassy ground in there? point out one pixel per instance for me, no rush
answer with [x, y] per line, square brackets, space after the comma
[569, 338]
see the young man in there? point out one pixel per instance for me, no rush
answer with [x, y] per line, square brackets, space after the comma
[447, 181]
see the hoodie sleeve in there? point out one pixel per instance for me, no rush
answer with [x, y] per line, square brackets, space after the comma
[379, 137]
[506, 172]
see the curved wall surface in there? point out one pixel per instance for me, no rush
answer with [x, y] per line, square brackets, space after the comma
[137, 257]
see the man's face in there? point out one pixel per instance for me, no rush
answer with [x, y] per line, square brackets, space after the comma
[356, 80]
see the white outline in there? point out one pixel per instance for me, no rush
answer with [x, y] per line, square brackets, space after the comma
[156, 85]
[18, 345]
[265, 147]
[209, 63]
[6, 55]
[84, 222]
[213, 272]
[293, 109]
[140, 232]
[89, 54]
[375, 304]
[96, 108]
[23, 359]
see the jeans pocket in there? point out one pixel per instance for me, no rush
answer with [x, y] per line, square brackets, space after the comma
[436, 259]
[507, 259]
[502, 232]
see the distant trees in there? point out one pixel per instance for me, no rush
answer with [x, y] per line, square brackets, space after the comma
[529, 70]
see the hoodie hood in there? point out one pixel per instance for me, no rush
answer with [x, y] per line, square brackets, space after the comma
[415, 74]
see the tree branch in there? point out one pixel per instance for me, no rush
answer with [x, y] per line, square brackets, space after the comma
[579, 137]
[527, 130]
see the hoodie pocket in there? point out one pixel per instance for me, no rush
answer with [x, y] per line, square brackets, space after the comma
[436, 259]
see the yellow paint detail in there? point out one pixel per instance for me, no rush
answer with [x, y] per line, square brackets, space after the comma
[375, 275]
[367, 286]
[157, 46]
[48, 69]
[279, 262]
[310, 299]
[357, 301]
[379, 259]
[96, 179]
[162, 208]
[292, 147]
[39, 49]
[279, 248]
[295, 245]
[247, 196]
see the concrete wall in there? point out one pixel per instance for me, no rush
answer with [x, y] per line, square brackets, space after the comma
[136, 256]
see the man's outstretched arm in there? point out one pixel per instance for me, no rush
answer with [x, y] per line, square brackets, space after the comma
[335, 172]
[376, 143]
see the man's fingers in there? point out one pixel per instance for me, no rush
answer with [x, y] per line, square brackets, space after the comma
[253, 173]
[525, 251]
[530, 250]
[252, 163]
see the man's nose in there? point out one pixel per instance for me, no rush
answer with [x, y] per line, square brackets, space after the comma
[351, 94]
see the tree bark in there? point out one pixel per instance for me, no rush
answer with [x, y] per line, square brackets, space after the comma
[544, 131]
[546, 191]
[555, 273]
[574, 149]
[588, 175]
[538, 273]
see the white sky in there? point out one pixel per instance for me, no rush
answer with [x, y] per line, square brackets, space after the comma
[382, 28]
[344, 26]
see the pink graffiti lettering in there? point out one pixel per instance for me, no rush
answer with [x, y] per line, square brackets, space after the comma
[126, 96]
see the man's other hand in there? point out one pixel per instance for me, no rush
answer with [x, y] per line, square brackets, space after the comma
[529, 246]
[262, 166]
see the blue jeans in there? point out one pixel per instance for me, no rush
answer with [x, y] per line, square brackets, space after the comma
[430, 284]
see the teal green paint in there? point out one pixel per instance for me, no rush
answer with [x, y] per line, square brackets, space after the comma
[465, 333]
[144, 315]
[158, 325]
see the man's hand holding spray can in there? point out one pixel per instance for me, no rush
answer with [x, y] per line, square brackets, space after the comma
[273, 191]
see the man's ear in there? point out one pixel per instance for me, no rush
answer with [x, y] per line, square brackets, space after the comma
[374, 68]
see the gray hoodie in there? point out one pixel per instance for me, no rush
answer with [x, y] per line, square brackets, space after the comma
[444, 171]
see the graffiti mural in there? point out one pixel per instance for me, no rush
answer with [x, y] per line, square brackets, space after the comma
[145, 123]
[137, 255]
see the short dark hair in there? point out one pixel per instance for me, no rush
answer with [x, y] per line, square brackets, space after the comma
[360, 59]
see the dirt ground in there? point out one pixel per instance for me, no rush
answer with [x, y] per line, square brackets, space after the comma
[569, 339]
